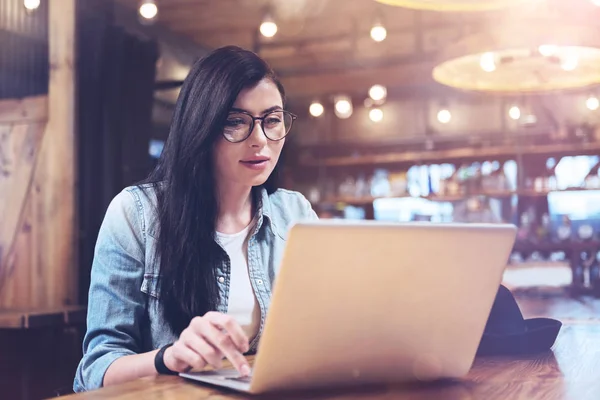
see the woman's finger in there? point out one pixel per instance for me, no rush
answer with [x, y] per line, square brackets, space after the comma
[223, 342]
[186, 357]
[210, 354]
[234, 329]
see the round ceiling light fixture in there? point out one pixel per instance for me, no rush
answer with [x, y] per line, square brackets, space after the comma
[521, 59]
[455, 5]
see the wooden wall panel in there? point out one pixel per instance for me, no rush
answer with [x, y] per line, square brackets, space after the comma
[56, 169]
[22, 128]
[37, 187]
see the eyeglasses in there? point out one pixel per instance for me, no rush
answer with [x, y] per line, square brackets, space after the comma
[275, 125]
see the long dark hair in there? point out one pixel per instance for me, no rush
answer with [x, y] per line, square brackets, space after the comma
[184, 181]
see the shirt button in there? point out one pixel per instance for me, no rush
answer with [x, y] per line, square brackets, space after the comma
[221, 279]
[259, 281]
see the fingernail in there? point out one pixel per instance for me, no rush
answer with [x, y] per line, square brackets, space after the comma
[245, 370]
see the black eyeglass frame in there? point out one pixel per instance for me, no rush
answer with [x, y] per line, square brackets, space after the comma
[261, 119]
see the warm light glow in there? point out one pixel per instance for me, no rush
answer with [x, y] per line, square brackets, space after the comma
[444, 116]
[31, 4]
[268, 28]
[596, 2]
[548, 50]
[514, 112]
[343, 107]
[593, 103]
[376, 115]
[455, 5]
[316, 109]
[377, 92]
[148, 9]
[488, 62]
[570, 62]
[378, 33]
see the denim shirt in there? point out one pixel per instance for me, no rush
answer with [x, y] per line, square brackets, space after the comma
[124, 311]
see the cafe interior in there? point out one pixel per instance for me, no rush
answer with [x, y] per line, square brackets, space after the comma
[431, 111]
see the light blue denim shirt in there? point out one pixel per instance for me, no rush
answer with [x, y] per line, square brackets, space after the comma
[124, 311]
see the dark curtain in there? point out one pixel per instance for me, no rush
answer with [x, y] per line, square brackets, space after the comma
[116, 72]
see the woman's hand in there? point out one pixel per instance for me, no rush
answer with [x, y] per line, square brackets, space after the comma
[206, 341]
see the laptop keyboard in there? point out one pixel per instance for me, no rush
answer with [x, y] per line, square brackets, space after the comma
[246, 379]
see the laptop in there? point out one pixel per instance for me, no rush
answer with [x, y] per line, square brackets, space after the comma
[369, 302]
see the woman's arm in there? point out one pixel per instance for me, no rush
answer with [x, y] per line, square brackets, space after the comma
[207, 340]
[116, 309]
[130, 367]
[116, 305]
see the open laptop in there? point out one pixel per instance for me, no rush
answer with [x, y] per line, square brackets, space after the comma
[371, 302]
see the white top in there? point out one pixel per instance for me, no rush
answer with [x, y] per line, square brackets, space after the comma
[242, 304]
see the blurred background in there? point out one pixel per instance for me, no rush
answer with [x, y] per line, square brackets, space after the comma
[409, 110]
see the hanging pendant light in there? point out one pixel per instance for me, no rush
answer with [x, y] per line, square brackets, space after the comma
[455, 5]
[523, 57]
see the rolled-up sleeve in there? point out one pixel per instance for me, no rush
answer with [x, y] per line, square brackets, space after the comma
[309, 212]
[116, 303]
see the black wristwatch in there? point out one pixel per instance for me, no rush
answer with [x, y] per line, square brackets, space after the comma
[159, 362]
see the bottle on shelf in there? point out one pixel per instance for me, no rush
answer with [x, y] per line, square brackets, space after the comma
[361, 187]
[585, 232]
[594, 274]
[398, 183]
[380, 185]
[564, 230]
[578, 270]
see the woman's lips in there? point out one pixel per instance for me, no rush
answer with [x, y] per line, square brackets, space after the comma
[255, 164]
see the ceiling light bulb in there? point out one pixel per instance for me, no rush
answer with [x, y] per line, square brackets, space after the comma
[378, 33]
[343, 107]
[444, 116]
[377, 92]
[593, 103]
[316, 109]
[376, 115]
[514, 112]
[548, 50]
[31, 4]
[488, 62]
[268, 28]
[570, 62]
[148, 9]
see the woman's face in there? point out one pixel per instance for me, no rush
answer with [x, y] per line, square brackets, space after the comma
[250, 162]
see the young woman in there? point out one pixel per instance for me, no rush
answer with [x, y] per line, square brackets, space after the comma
[185, 262]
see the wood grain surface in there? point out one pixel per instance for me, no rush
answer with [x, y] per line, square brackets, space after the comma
[569, 371]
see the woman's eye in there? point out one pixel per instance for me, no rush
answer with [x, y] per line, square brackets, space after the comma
[273, 121]
[234, 122]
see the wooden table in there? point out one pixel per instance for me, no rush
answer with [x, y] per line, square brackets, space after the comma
[570, 371]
